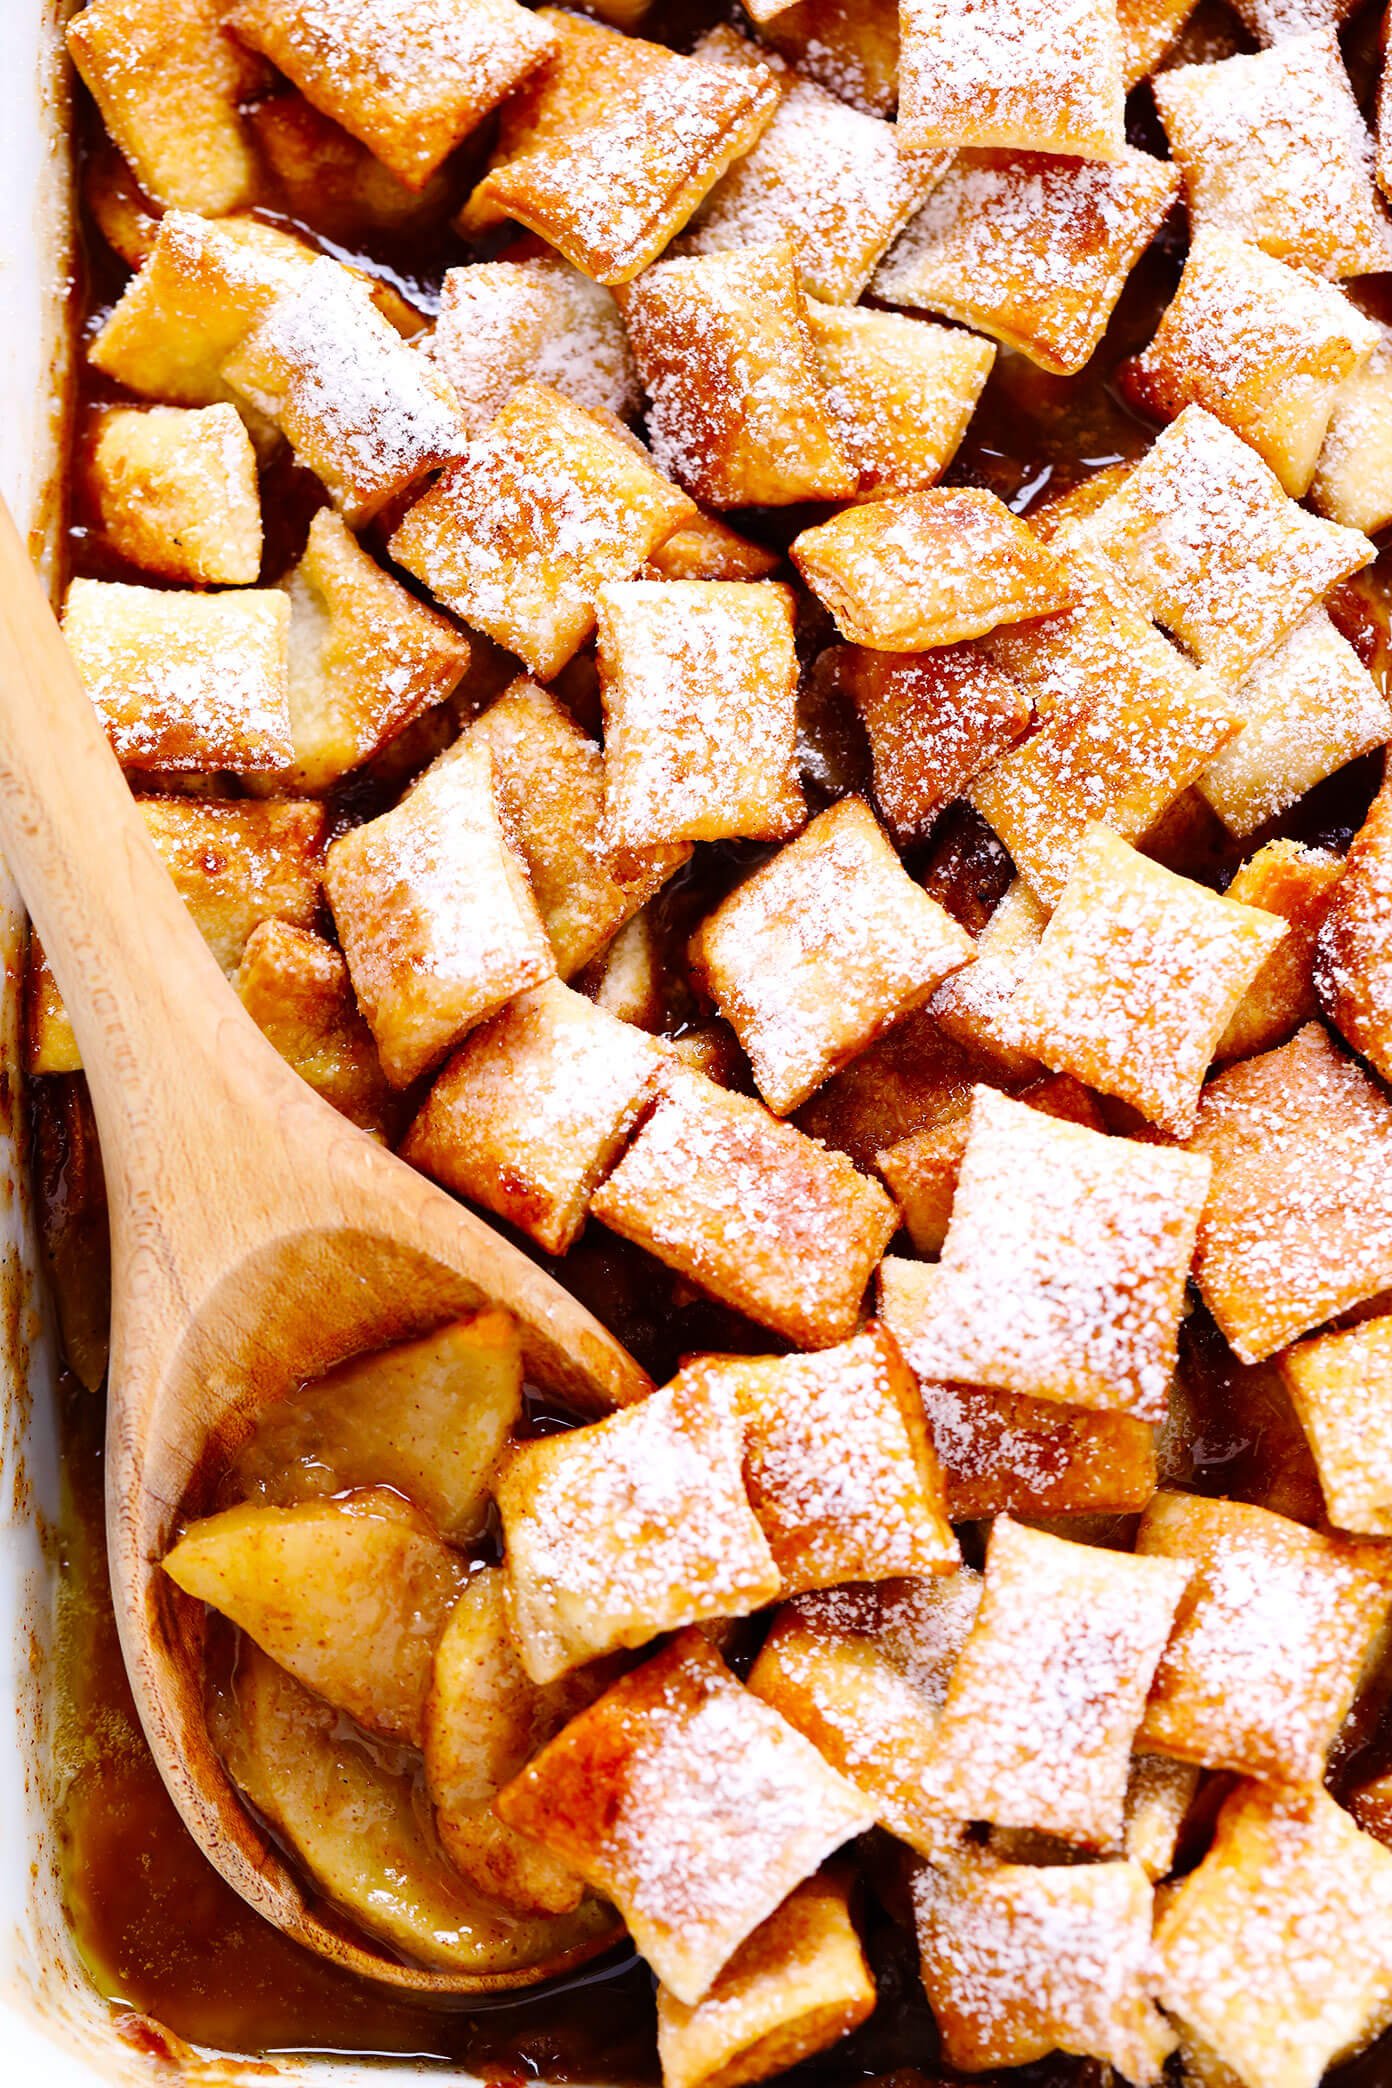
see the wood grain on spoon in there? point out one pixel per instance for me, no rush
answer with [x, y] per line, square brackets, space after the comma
[257, 1237]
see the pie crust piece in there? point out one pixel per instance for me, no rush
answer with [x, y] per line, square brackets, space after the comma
[1354, 963]
[926, 569]
[690, 1804]
[1298, 1223]
[816, 954]
[1049, 1689]
[608, 149]
[547, 504]
[410, 84]
[1136, 978]
[797, 1985]
[1012, 1957]
[1063, 1271]
[185, 681]
[435, 914]
[548, 775]
[1031, 247]
[699, 683]
[840, 1471]
[1275, 1955]
[533, 1108]
[824, 175]
[766, 1219]
[1265, 347]
[1028, 74]
[1270, 1640]
[1273, 148]
[737, 411]
[628, 1528]
[863, 1672]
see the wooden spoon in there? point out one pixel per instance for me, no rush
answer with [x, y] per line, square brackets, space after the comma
[257, 1237]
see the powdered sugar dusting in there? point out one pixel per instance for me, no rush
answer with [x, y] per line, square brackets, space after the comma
[502, 322]
[1277, 1950]
[1062, 1275]
[765, 1218]
[1021, 1960]
[1032, 247]
[1049, 1689]
[828, 177]
[691, 1804]
[184, 681]
[1031, 73]
[360, 409]
[822, 949]
[837, 1473]
[1214, 549]
[1275, 1628]
[1275, 149]
[1298, 1226]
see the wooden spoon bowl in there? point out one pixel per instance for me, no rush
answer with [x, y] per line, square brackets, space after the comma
[257, 1237]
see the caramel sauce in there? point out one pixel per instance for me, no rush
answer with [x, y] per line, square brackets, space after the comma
[164, 1938]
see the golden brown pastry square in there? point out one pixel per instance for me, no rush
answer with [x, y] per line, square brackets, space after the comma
[1298, 1223]
[737, 409]
[176, 492]
[1265, 347]
[411, 85]
[1019, 73]
[1275, 1955]
[549, 779]
[794, 1987]
[1273, 148]
[1354, 963]
[1341, 1388]
[759, 1215]
[1063, 1272]
[900, 392]
[863, 1672]
[699, 683]
[185, 681]
[1011, 1954]
[1269, 1642]
[690, 1804]
[927, 569]
[1136, 978]
[546, 505]
[830, 178]
[821, 949]
[359, 410]
[628, 1528]
[1050, 1687]
[1030, 247]
[608, 149]
[168, 81]
[435, 914]
[838, 1464]
[296, 989]
[532, 1109]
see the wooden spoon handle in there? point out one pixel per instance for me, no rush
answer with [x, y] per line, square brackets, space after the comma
[215, 1152]
[132, 967]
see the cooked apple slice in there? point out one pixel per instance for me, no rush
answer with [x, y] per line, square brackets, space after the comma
[429, 1418]
[484, 1720]
[349, 1594]
[359, 1826]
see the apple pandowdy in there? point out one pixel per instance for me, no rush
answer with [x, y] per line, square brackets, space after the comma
[764, 649]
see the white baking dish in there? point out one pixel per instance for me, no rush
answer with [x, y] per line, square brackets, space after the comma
[54, 2030]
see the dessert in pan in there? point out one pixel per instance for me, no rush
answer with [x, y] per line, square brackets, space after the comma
[762, 644]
